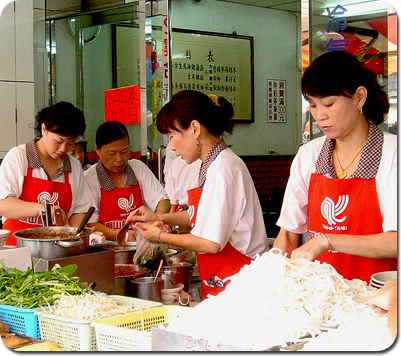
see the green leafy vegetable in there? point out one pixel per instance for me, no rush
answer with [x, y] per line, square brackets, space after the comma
[30, 289]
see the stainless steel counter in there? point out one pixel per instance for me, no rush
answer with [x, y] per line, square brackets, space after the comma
[93, 267]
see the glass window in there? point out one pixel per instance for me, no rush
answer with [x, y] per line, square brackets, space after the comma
[366, 29]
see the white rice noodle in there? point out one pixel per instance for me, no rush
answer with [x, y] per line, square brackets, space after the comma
[275, 300]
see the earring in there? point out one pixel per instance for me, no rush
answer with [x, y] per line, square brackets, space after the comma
[197, 143]
[360, 110]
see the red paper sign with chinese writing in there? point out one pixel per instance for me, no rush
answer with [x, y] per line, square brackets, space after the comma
[123, 105]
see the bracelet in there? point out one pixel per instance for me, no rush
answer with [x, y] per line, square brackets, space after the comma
[327, 240]
[158, 235]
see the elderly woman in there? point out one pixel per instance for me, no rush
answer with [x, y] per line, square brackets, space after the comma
[120, 185]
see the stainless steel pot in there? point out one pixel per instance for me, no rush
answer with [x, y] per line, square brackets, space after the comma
[147, 288]
[50, 243]
[124, 254]
[122, 283]
[184, 273]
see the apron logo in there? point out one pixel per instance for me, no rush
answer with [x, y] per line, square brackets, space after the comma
[43, 196]
[330, 211]
[115, 224]
[126, 204]
[191, 212]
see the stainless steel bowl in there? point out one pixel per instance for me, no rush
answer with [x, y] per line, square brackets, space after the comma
[124, 254]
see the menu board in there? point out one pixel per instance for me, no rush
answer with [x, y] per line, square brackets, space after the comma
[215, 63]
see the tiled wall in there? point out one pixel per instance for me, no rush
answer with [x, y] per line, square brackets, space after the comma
[269, 173]
[16, 74]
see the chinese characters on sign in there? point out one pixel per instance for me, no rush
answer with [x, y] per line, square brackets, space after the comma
[209, 75]
[276, 102]
[215, 64]
[123, 105]
[341, 23]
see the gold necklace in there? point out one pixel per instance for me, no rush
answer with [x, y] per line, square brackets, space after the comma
[342, 174]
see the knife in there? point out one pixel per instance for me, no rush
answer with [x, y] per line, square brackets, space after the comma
[48, 214]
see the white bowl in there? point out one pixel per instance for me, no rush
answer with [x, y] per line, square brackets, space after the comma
[177, 289]
[171, 252]
[374, 285]
[382, 277]
[169, 298]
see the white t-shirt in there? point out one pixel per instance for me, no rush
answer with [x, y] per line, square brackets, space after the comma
[151, 189]
[294, 217]
[229, 209]
[14, 168]
[180, 178]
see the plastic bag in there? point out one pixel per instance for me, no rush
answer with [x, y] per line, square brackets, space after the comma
[148, 255]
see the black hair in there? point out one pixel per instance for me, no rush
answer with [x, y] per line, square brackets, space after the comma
[109, 132]
[84, 145]
[189, 105]
[62, 118]
[341, 73]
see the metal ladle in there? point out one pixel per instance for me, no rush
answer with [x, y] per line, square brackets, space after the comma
[121, 235]
[85, 220]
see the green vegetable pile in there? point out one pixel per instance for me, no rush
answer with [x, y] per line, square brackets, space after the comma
[30, 289]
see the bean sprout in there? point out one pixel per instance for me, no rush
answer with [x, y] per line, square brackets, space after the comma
[88, 306]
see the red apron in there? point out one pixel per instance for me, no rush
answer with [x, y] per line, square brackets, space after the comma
[38, 190]
[116, 205]
[223, 264]
[347, 206]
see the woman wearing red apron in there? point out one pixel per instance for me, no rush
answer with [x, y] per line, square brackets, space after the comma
[42, 170]
[224, 216]
[215, 267]
[120, 185]
[343, 187]
[181, 177]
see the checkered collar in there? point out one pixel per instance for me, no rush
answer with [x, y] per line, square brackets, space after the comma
[35, 162]
[211, 156]
[105, 181]
[368, 163]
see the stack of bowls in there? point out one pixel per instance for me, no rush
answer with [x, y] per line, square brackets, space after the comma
[169, 295]
[3, 237]
[378, 280]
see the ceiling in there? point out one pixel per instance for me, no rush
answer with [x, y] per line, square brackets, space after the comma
[295, 5]
[282, 5]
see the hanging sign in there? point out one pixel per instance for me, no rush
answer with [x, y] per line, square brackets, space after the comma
[276, 102]
[123, 105]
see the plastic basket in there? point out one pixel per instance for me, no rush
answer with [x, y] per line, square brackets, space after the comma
[78, 335]
[132, 332]
[21, 321]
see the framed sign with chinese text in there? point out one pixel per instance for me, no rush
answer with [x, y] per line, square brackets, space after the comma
[276, 101]
[215, 63]
[211, 62]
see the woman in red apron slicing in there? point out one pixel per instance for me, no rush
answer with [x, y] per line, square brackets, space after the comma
[224, 210]
[42, 170]
[343, 187]
[120, 185]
